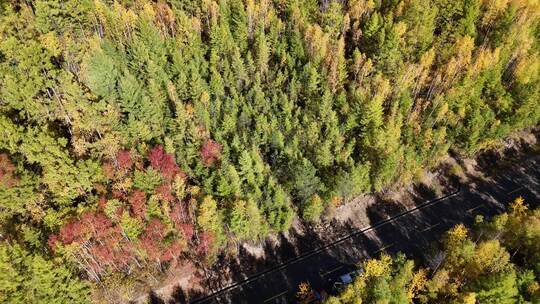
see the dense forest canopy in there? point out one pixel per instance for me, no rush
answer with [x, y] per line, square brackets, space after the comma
[136, 134]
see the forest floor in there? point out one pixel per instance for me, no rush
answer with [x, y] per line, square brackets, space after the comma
[243, 260]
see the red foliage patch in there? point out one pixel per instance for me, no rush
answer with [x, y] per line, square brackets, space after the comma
[205, 241]
[98, 237]
[172, 251]
[125, 162]
[164, 163]
[187, 231]
[6, 171]
[117, 194]
[151, 248]
[71, 232]
[137, 200]
[90, 226]
[155, 230]
[181, 220]
[210, 152]
[51, 242]
[119, 212]
[179, 214]
[164, 192]
[100, 188]
[109, 254]
[152, 239]
[102, 203]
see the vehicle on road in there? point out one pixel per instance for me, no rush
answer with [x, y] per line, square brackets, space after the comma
[338, 284]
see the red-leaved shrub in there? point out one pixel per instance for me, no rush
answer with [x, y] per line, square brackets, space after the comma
[164, 192]
[137, 200]
[163, 162]
[210, 152]
[125, 162]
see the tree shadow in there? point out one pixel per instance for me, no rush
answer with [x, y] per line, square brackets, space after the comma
[383, 209]
[449, 179]
[181, 296]
[154, 298]
[423, 192]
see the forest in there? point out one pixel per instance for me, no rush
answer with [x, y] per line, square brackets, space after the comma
[136, 135]
[497, 262]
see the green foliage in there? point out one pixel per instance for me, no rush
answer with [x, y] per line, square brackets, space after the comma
[306, 181]
[146, 180]
[313, 208]
[245, 220]
[499, 288]
[229, 183]
[521, 232]
[30, 278]
[210, 220]
[132, 227]
[382, 281]
[353, 183]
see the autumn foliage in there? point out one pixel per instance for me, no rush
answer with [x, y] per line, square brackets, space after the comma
[164, 163]
[164, 192]
[152, 239]
[123, 157]
[98, 239]
[7, 170]
[210, 152]
[137, 201]
[205, 242]
[97, 242]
